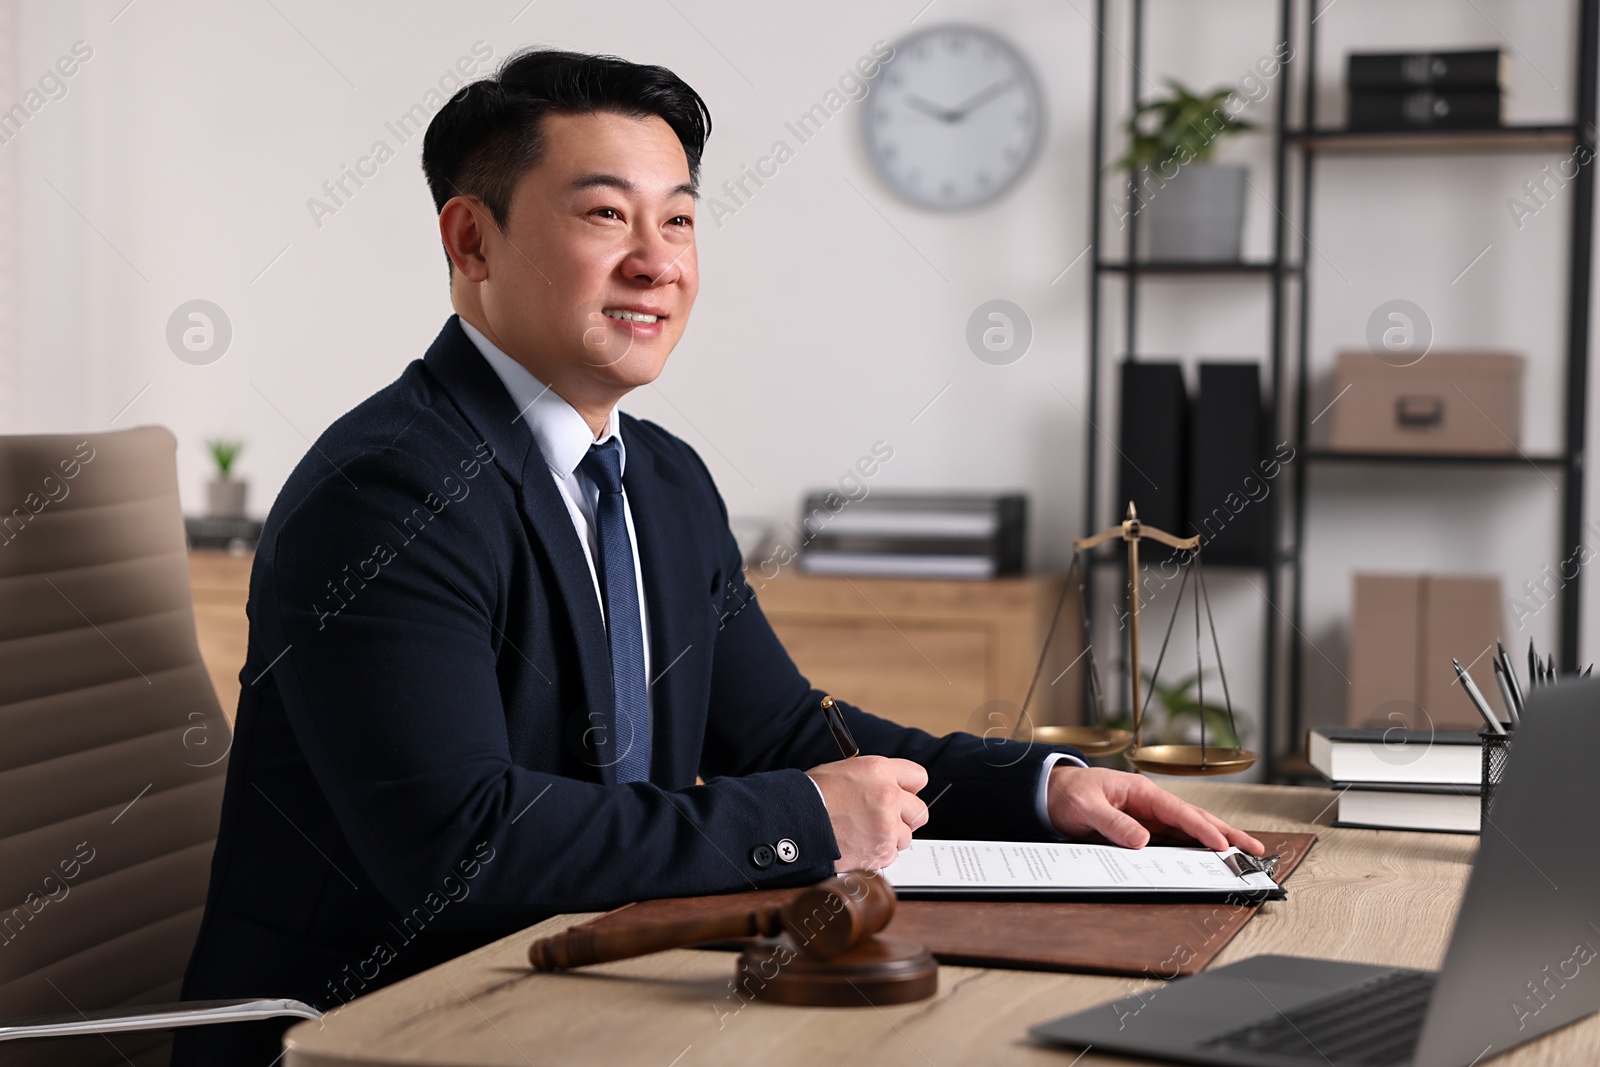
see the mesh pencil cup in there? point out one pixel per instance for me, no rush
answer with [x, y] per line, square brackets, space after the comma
[1496, 754]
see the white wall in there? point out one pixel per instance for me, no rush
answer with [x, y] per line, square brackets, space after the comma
[181, 159]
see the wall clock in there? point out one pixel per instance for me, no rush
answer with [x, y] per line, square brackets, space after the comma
[955, 117]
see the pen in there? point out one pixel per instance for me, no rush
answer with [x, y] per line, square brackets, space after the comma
[841, 732]
[1533, 666]
[1511, 677]
[1505, 694]
[1477, 698]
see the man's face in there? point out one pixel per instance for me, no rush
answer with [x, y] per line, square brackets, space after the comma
[591, 284]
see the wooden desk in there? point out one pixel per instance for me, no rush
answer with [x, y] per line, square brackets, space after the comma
[1376, 897]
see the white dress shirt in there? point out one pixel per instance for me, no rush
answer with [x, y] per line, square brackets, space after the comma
[564, 439]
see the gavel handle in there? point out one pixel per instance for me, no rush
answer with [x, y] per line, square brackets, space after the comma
[578, 946]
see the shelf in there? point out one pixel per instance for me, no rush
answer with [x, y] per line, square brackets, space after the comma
[1526, 138]
[1178, 266]
[1458, 459]
[1118, 556]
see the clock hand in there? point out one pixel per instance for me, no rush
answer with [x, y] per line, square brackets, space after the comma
[977, 100]
[931, 110]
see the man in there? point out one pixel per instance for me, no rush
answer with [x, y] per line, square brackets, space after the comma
[500, 628]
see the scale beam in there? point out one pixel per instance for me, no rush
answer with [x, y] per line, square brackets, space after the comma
[1131, 529]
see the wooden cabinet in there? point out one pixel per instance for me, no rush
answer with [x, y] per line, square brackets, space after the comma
[942, 655]
[221, 586]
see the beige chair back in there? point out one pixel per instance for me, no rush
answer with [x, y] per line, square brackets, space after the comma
[112, 745]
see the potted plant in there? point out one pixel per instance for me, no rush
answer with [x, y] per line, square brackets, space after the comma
[225, 494]
[1174, 714]
[1194, 208]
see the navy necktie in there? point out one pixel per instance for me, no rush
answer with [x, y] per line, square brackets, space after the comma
[624, 627]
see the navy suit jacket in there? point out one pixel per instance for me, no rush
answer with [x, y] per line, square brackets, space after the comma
[423, 760]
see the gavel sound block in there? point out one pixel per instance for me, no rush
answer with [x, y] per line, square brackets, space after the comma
[822, 946]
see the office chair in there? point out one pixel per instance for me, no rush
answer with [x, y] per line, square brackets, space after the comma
[112, 754]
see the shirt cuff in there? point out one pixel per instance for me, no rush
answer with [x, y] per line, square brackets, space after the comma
[820, 797]
[1041, 802]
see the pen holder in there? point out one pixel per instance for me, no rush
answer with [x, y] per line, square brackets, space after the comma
[1496, 754]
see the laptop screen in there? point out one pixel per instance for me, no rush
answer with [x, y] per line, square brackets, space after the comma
[1524, 957]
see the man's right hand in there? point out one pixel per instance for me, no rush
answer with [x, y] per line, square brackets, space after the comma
[873, 803]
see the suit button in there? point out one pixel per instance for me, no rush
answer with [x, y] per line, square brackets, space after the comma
[788, 851]
[762, 856]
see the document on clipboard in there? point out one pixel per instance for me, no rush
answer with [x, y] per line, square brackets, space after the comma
[1072, 871]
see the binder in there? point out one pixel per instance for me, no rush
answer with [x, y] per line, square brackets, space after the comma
[1152, 446]
[1227, 492]
[1425, 109]
[1387, 72]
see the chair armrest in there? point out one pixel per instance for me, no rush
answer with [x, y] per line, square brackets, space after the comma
[153, 1017]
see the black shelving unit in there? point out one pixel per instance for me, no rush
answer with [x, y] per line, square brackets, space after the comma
[1303, 142]
[1274, 269]
[1569, 462]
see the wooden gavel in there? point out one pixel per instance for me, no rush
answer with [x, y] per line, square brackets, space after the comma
[820, 947]
[823, 922]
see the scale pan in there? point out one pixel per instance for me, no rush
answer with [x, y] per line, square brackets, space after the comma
[1090, 740]
[1190, 760]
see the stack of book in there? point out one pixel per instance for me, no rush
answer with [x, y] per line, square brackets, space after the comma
[1425, 90]
[1399, 779]
[914, 535]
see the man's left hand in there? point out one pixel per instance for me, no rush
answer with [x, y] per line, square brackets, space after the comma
[1129, 810]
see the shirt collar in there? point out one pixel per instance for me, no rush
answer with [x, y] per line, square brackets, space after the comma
[562, 435]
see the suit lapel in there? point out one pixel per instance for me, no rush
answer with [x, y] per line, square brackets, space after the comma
[482, 399]
[672, 598]
[547, 513]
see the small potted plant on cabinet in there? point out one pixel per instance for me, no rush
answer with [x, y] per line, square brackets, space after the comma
[225, 494]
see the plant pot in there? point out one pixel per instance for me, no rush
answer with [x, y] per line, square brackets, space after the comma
[225, 497]
[1196, 215]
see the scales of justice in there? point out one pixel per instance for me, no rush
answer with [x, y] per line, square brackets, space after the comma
[1101, 739]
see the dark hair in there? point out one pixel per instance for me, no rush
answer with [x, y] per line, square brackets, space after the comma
[488, 136]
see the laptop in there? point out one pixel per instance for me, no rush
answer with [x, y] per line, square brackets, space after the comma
[1524, 957]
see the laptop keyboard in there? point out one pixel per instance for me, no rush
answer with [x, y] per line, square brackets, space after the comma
[1377, 1022]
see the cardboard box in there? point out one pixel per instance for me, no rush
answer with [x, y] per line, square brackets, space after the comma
[1404, 631]
[1445, 402]
[1385, 648]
